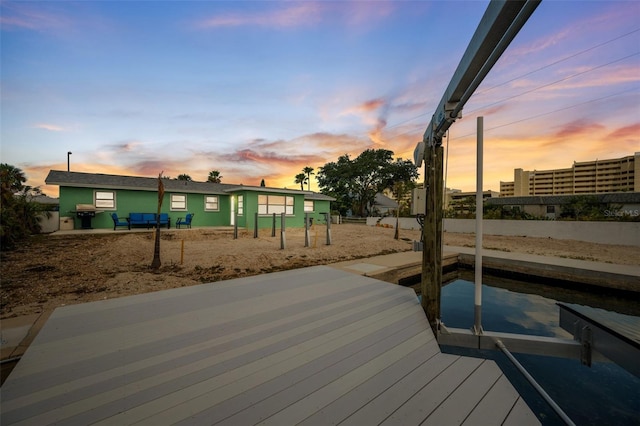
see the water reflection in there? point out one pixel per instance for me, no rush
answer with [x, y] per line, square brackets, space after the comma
[601, 395]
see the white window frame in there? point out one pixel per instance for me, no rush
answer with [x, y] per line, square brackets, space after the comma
[309, 206]
[240, 205]
[178, 202]
[104, 200]
[211, 203]
[278, 204]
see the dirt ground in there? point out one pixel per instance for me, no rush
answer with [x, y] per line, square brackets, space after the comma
[58, 270]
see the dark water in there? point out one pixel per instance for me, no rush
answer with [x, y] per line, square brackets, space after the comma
[603, 394]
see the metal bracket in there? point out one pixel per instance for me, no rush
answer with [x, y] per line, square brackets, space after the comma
[586, 341]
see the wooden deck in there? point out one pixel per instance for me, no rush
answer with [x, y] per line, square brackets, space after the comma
[312, 346]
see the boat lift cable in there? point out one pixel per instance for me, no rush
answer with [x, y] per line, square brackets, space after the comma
[535, 384]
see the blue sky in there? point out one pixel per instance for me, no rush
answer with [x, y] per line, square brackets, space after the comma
[261, 89]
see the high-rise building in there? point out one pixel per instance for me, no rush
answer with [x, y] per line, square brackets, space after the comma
[591, 177]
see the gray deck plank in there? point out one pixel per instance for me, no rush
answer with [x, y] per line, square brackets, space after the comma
[199, 396]
[315, 345]
[456, 408]
[360, 396]
[194, 371]
[300, 410]
[496, 404]
[386, 403]
[423, 403]
[231, 332]
[521, 414]
[308, 379]
[348, 312]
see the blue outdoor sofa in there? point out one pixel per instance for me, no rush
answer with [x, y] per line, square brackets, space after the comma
[148, 219]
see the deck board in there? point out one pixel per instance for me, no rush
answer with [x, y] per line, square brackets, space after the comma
[311, 346]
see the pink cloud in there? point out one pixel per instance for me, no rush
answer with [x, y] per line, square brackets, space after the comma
[630, 133]
[26, 16]
[50, 127]
[293, 15]
[298, 14]
[578, 128]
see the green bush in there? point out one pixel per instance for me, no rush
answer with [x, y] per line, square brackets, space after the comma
[18, 213]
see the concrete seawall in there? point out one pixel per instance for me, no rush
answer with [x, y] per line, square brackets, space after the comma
[619, 233]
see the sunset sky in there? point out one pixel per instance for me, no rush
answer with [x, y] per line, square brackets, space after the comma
[261, 89]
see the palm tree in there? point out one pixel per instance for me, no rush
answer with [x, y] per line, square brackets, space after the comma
[308, 171]
[214, 176]
[155, 263]
[301, 178]
[11, 178]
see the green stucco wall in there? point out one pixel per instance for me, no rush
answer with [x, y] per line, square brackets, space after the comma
[129, 201]
[247, 220]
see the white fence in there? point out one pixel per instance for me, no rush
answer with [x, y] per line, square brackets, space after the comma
[51, 223]
[621, 233]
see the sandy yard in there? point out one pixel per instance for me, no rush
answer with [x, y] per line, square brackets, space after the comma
[57, 270]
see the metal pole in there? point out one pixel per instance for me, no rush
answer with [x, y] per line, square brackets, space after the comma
[479, 204]
[68, 161]
[535, 384]
[283, 239]
[306, 229]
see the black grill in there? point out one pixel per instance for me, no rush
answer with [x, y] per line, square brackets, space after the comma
[85, 215]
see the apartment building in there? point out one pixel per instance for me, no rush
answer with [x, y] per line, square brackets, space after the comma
[591, 177]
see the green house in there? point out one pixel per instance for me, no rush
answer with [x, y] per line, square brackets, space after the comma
[98, 196]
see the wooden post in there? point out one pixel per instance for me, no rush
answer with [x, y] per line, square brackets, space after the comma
[432, 236]
[328, 215]
[235, 224]
[273, 227]
[306, 230]
[255, 228]
[283, 239]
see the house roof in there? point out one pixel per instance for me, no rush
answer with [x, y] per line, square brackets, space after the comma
[384, 201]
[317, 196]
[136, 183]
[611, 197]
[99, 180]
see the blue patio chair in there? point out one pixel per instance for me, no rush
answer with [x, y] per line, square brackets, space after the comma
[117, 222]
[186, 221]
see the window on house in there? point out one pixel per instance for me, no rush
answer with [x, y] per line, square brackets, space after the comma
[269, 204]
[308, 206]
[551, 209]
[178, 202]
[104, 199]
[240, 205]
[211, 203]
